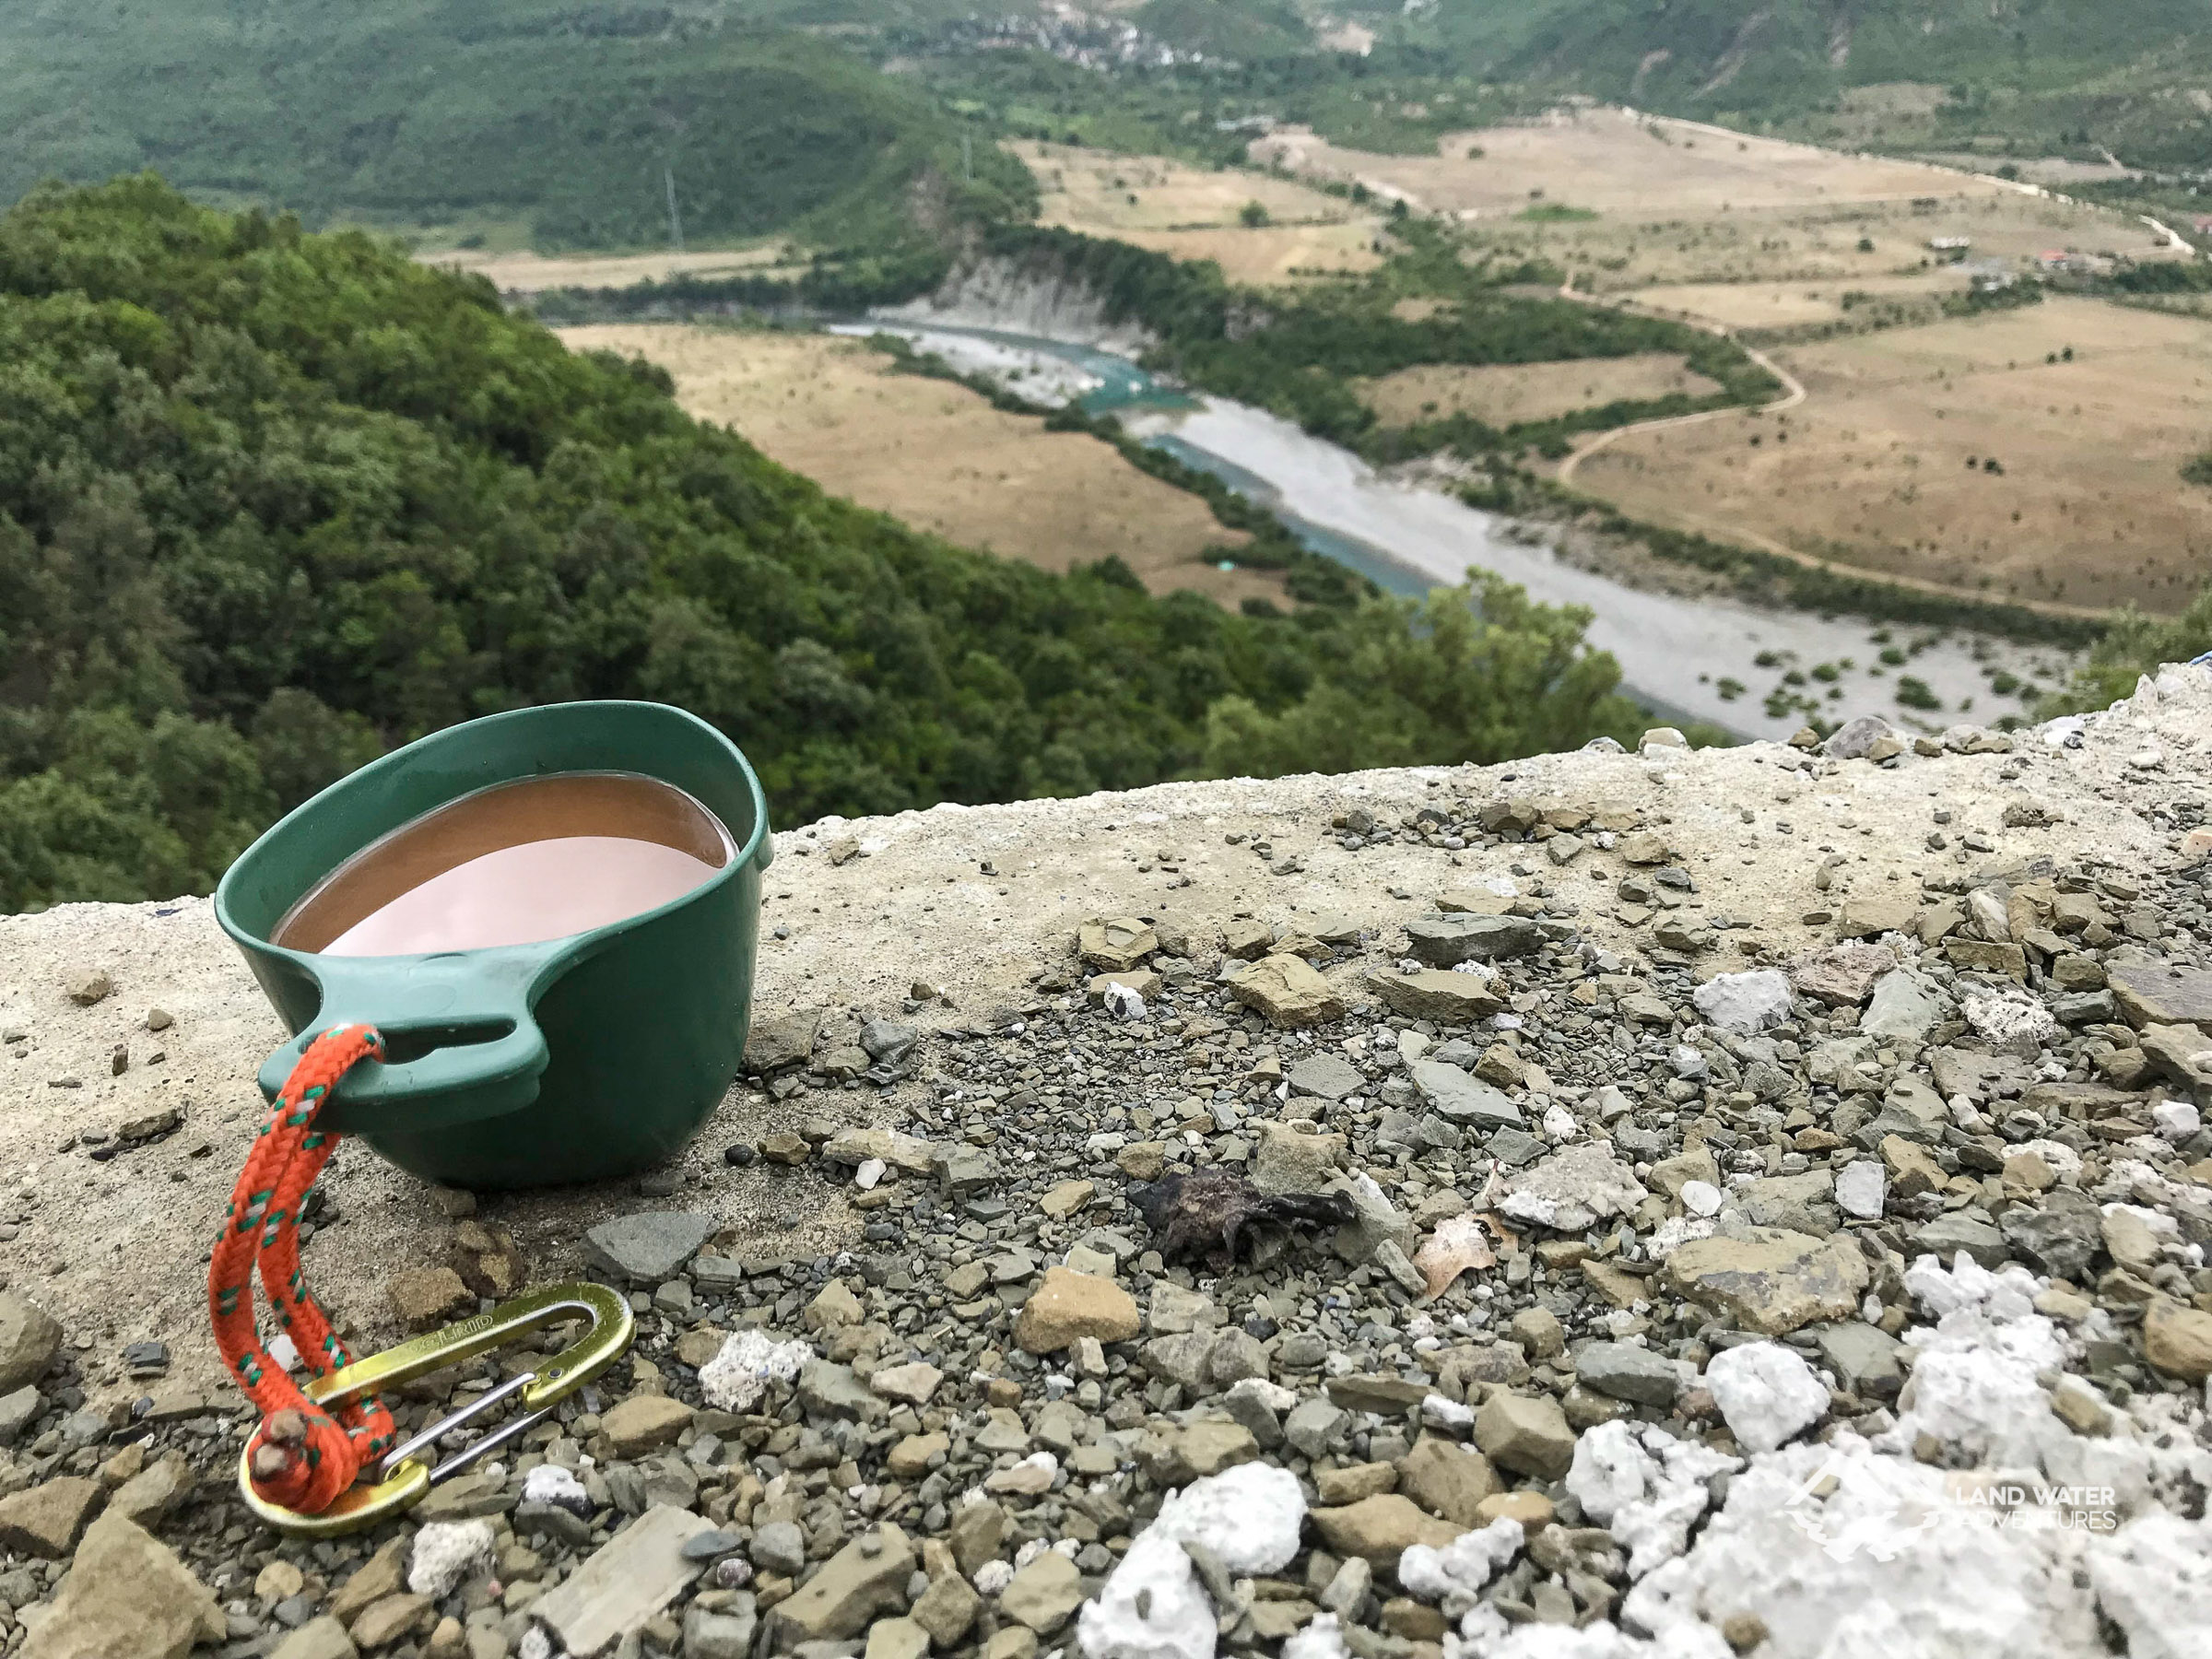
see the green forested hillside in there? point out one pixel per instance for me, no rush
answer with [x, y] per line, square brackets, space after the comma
[2050, 75]
[272, 502]
[563, 122]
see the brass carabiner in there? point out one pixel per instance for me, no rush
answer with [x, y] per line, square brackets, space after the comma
[403, 1475]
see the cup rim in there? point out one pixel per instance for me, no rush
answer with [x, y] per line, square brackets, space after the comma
[546, 950]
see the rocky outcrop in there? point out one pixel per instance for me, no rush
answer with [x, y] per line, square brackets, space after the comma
[1026, 295]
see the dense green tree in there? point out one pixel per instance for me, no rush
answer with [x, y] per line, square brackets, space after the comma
[271, 502]
[2132, 646]
[1478, 673]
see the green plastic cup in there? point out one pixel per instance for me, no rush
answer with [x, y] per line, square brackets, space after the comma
[573, 1059]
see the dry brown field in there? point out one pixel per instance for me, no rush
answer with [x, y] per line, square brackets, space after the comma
[533, 273]
[2087, 508]
[1502, 393]
[1753, 305]
[1270, 255]
[1759, 236]
[1107, 194]
[1171, 207]
[938, 456]
[1615, 162]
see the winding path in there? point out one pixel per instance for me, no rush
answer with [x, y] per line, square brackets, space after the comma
[1793, 393]
[1792, 388]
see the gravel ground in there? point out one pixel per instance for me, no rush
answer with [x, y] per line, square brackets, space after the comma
[1595, 1255]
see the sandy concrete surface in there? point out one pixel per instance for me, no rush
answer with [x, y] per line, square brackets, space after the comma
[115, 1249]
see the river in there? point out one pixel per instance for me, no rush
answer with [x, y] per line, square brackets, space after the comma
[1677, 654]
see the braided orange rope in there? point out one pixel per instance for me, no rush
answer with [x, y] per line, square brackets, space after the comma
[300, 1457]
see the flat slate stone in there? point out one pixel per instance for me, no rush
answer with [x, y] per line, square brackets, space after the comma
[632, 1577]
[1628, 1373]
[1328, 1077]
[648, 1247]
[1447, 941]
[1462, 1099]
[2154, 992]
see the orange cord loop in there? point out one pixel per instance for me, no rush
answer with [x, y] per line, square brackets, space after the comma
[300, 1456]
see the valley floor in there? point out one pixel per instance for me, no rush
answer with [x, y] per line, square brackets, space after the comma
[939, 456]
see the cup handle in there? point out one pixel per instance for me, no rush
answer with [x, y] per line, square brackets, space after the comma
[488, 1063]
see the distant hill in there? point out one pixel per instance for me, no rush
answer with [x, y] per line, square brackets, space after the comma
[2054, 76]
[547, 118]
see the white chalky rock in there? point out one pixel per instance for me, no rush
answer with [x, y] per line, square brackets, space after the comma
[1122, 1002]
[1322, 1638]
[1973, 1382]
[1841, 1552]
[736, 1377]
[2155, 1582]
[1273, 1396]
[282, 1350]
[2176, 1120]
[1560, 1123]
[1464, 1564]
[549, 1483]
[870, 1171]
[1700, 1198]
[448, 1553]
[2012, 1020]
[1498, 1639]
[994, 1576]
[1767, 1395]
[536, 1644]
[1862, 1189]
[1439, 1411]
[1968, 1287]
[1745, 1004]
[1674, 1232]
[1656, 1530]
[1151, 1609]
[1856, 1549]
[1610, 1471]
[1572, 1189]
[1250, 1516]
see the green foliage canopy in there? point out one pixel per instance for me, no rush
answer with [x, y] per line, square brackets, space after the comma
[272, 501]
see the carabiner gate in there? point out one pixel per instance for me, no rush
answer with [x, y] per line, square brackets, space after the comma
[403, 1475]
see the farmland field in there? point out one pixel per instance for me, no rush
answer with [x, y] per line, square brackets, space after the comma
[1172, 207]
[1503, 393]
[1958, 453]
[2087, 409]
[938, 455]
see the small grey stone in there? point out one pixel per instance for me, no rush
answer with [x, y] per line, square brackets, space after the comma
[712, 1545]
[647, 1248]
[1625, 1371]
[1863, 1358]
[1311, 1424]
[888, 1040]
[1462, 1098]
[18, 1412]
[718, 1635]
[779, 1547]
[1447, 941]
[1904, 1006]
[1948, 1235]
[2059, 1235]
[1327, 1077]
